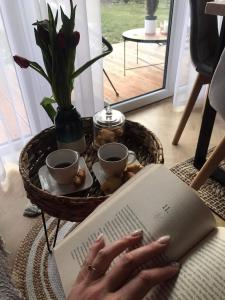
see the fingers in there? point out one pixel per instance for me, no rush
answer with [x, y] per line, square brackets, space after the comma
[140, 285]
[107, 254]
[96, 247]
[130, 261]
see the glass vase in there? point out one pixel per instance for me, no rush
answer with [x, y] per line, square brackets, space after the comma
[69, 130]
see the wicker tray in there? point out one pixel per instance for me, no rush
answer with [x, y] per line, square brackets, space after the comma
[136, 137]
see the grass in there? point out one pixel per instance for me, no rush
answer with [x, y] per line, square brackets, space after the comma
[119, 17]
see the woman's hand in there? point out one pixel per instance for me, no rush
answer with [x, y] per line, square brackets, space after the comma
[95, 283]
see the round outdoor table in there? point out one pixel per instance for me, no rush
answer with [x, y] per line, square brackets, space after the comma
[138, 35]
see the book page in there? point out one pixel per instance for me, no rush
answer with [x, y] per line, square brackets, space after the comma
[202, 276]
[156, 202]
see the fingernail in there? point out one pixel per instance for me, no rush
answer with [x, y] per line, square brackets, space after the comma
[100, 237]
[175, 264]
[164, 239]
[137, 233]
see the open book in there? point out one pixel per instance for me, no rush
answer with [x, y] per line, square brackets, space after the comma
[156, 201]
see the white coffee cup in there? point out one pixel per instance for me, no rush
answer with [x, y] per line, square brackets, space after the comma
[113, 158]
[63, 164]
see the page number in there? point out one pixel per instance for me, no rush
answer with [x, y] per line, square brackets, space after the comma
[166, 208]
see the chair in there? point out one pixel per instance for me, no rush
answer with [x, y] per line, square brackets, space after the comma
[203, 44]
[217, 101]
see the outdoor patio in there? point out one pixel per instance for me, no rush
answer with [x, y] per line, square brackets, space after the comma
[138, 81]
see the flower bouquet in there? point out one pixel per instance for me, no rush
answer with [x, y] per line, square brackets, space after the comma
[59, 52]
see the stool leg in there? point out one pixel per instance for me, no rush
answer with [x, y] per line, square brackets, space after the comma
[56, 232]
[189, 107]
[46, 232]
[210, 166]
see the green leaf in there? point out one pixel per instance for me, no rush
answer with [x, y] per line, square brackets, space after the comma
[72, 11]
[47, 104]
[50, 15]
[64, 17]
[89, 63]
[71, 7]
[45, 53]
[52, 25]
[56, 18]
[39, 69]
[48, 100]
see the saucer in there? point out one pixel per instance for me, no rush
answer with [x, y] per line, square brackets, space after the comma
[49, 184]
[100, 173]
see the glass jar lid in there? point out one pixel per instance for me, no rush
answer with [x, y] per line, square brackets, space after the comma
[109, 117]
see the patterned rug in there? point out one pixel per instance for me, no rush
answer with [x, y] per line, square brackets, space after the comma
[35, 273]
[7, 289]
[212, 192]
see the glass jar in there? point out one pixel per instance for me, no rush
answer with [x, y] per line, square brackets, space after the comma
[108, 126]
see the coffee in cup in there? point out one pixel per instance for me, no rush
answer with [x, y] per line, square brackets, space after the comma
[63, 165]
[113, 158]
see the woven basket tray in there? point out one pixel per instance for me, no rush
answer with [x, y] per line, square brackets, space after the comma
[76, 207]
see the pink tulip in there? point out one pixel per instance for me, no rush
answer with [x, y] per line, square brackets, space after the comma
[42, 31]
[75, 38]
[21, 61]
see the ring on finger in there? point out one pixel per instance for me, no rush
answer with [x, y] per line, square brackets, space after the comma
[91, 268]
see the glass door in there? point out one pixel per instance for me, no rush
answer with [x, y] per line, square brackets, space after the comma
[145, 35]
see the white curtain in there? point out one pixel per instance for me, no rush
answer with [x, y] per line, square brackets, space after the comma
[21, 91]
[14, 122]
[186, 73]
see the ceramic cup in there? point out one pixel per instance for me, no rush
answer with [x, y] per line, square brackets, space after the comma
[63, 164]
[113, 158]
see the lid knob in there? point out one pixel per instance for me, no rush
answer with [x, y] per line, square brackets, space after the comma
[108, 112]
[109, 117]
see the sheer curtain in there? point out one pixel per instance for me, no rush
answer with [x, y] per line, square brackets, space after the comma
[21, 91]
[14, 122]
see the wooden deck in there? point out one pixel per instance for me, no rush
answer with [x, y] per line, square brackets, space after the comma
[137, 81]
